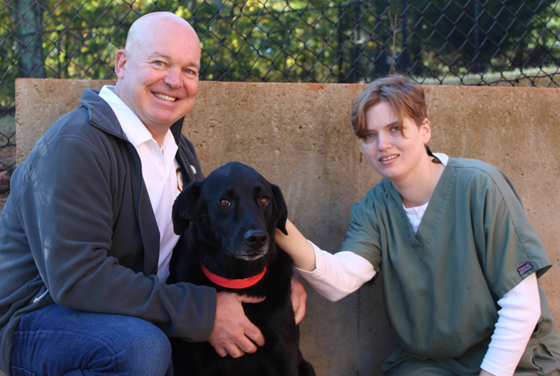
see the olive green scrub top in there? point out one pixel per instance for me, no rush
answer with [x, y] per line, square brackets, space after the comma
[473, 245]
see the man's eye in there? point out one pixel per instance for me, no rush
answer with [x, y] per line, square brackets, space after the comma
[159, 63]
[191, 72]
[263, 201]
[225, 203]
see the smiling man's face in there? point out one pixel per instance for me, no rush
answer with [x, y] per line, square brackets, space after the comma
[158, 71]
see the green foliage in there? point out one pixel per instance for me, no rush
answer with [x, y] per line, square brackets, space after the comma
[79, 40]
[291, 40]
[463, 35]
[270, 41]
[471, 42]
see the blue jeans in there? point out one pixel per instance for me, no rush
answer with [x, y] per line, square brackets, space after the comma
[60, 341]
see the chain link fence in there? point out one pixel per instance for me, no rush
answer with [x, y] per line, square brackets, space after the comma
[463, 42]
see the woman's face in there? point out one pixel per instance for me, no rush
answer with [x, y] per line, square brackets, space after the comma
[391, 154]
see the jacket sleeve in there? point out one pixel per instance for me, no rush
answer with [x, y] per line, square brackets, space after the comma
[64, 200]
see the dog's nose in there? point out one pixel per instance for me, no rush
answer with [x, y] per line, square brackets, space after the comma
[256, 238]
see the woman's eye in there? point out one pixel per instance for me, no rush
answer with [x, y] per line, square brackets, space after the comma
[395, 128]
[370, 135]
[263, 201]
[225, 203]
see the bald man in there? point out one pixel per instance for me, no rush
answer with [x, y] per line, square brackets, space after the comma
[86, 235]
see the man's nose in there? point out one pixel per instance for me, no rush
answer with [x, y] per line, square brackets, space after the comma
[173, 78]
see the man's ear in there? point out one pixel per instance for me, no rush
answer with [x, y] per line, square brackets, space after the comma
[120, 63]
[280, 209]
[184, 207]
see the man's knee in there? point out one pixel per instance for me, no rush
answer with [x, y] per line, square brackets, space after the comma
[131, 346]
[63, 340]
[147, 350]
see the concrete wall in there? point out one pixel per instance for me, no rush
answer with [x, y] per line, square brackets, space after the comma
[299, 137]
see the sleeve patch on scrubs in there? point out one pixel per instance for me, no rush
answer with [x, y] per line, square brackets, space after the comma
[525, 268]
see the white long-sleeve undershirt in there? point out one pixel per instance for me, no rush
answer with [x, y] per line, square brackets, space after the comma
[338, 275]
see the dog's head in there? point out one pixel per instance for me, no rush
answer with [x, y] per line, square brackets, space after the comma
[234, 209]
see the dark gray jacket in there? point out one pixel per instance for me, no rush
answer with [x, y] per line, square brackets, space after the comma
[79, 222]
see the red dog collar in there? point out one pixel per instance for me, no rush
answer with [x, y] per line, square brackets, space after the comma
[233, 283]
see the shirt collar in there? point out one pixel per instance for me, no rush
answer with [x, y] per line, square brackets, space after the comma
[135, 131]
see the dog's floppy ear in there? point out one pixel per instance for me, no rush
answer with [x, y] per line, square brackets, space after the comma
[281, 210]
[184, 207]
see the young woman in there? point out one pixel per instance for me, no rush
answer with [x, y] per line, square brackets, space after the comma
[460, 258]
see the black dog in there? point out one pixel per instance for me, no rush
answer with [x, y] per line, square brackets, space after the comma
[233, 215]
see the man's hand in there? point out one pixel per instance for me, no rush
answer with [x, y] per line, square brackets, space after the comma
[233, 333]
[299, 296]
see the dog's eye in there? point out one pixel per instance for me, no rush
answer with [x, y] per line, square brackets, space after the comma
[263, 201]
[225, 203]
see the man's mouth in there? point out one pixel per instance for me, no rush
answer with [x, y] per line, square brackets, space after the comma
[165, 97]
[388, 158]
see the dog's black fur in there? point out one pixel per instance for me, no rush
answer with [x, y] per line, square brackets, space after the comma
[233, 215]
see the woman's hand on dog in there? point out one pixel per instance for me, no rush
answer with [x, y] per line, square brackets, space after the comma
[233, 333]
[299, 297]
[297, 246]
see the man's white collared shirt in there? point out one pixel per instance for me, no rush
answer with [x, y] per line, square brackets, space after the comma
[158, 170]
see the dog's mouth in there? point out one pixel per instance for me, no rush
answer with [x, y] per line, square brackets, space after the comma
[251, 257]
[248, 254]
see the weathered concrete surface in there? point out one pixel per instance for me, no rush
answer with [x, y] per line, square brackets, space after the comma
[42, 104]
[299, 137]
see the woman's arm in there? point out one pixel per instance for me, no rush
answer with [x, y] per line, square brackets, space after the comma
[518, 316]
[332, 276]
[338, 275]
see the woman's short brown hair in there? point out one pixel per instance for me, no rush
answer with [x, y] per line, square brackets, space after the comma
[404, 95]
